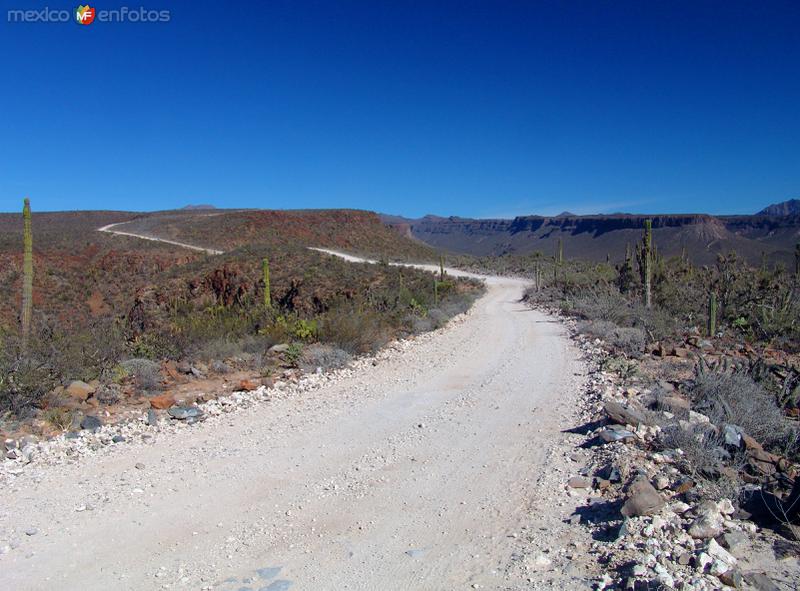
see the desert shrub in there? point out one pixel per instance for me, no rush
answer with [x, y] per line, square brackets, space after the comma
[323, 356]
[704, 456]
[605, 305]
[737, 399]
[628, 340]
[53, 353]
[59, 417]
[145, 372]
[354, 330]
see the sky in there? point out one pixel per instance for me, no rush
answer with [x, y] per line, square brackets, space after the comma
[476, 109]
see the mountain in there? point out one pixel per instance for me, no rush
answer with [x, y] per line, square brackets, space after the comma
[790, 207]
[598, 237]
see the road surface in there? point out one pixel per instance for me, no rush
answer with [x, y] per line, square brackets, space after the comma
[422, 470]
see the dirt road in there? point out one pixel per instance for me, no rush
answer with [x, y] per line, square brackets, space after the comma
[421, 470]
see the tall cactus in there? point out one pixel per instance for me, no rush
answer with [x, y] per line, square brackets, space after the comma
[712, 314]
[560, 251]
[265, 272]
[27, 272]
[797, 261]
[441, 266]
[647, 256]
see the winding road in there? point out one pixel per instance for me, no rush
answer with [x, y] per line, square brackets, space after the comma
[421, 469]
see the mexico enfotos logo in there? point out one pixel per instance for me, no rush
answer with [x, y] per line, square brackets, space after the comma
[86, 15]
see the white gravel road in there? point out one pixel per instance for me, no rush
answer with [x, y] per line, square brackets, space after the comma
[422, 469]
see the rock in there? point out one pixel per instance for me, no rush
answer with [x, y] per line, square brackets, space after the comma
[696, 418]
[163, 401]
[184, 367]
[152, 418]
[79, 390]
[684, 558]
[732, 434]
[139, 466]
[28, 453]
[726, 507]
[538, 562]
[736, 542]
[642, 499]
[661, 482]
[183, 413]
[118, 439]
[622, 414]
[247, 386]
[761, 582]
[196, 372]
[716, 551]
[611, 435]
[91, 423]
[282, 348]
[13, 454]
[706, 526]
[579, 482]
[220, 367]
[703, 560]
[31, 531]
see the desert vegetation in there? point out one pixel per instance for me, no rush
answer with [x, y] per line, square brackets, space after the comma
[112, 311]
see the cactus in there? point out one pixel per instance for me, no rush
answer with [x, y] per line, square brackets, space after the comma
[712, 314]
[560, 251]
[27, 272]
[797, 261]
[265, 271]
[441, 266]
[647, 271]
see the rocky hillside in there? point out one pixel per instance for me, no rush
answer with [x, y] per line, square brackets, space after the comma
[597, 237]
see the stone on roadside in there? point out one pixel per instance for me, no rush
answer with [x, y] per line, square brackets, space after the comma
[579, 482]
[708, 523]
[79, 390]
[247, 386]
[736, 542]
[162, 401]
[91, 423]
[622, 414]
[183, 413]
[643, 499]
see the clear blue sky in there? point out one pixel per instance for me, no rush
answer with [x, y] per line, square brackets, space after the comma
[464, 108]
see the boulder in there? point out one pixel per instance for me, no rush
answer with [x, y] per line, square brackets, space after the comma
[611, 435]
[708, 523]
[736, 542]
[643, 499]
[624, 415]
[732, 435]
[162, 401]
[183, 413]
[282, 348]
[91, 423]
[579, 482]
[247, 386]
[79, 390]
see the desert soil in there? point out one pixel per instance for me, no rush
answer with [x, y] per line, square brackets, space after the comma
[438, 465]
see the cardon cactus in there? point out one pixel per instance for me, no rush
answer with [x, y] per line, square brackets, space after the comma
[712, 314]
[647, 257]
[265, 272]
[27, 272]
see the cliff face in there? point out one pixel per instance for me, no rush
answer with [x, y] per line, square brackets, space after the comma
[597, 237]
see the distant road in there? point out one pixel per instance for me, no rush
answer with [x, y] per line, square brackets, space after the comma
[109, 230]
